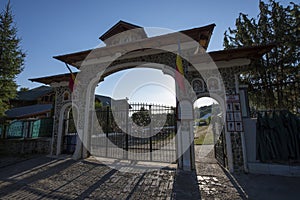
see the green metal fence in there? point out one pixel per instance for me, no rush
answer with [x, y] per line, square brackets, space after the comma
[30, 128]
[42, 128]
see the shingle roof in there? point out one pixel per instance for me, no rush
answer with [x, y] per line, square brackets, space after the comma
[33, 94]
[27, 111]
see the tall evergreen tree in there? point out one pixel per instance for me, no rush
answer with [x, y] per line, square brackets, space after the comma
[274, 82]
[11, 58]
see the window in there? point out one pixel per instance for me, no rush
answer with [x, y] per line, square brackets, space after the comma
[66, 96]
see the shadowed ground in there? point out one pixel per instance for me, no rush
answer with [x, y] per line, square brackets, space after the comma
[47, 178]
[216, 183]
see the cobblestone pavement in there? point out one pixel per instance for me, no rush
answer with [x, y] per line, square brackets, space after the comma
[63, 178]
[214, 182]
[46, 178]
[217, 183]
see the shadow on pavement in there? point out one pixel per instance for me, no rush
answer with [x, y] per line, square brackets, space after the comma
[186, 186]
[42, 177]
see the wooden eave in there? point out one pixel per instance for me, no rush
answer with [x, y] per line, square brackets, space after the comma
[50, 79]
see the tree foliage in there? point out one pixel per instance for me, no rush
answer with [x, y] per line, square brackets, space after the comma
[274, 80]
[24, 89]
[142, 117]
[11, 58]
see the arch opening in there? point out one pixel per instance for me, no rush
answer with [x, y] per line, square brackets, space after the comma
[209, 131]
[136, 110]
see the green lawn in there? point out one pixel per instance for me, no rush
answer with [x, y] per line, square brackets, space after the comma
[203, 135]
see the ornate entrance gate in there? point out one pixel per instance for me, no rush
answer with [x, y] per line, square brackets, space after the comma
[136, 133]
[215, 73]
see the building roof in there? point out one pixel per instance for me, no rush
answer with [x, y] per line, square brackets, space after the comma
[38, 109]
[28, 111]
[33, 94]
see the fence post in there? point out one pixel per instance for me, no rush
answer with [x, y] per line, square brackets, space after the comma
[151, 133]
[126, 134]
[5, 127]
[24, 133]
[29, 128]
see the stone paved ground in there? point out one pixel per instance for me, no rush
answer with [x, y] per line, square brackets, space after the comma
[46, 178]
[217, 183]
[11, 160]
[212, 179]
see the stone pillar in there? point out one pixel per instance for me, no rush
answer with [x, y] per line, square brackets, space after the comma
[237, 152]
[234, 133]
[185, 136]
[59, 114]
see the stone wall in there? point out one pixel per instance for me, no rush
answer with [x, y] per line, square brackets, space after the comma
[237, 152]
[25, 146]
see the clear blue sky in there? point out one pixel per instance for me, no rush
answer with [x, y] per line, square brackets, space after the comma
[56, 27]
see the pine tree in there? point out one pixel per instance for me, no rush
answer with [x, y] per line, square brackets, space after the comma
[274, 82]
[11, 58]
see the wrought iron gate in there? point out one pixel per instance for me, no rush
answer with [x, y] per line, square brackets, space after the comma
[136, 132]
[220, 142]
[220, 150]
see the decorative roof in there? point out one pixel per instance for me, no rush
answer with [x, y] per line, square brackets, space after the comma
[28, 111]
[120, 27]
[222, 55]
[251, 52]
[200, 34]
[241, 52]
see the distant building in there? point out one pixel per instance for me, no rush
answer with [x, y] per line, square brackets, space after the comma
[38, 103]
